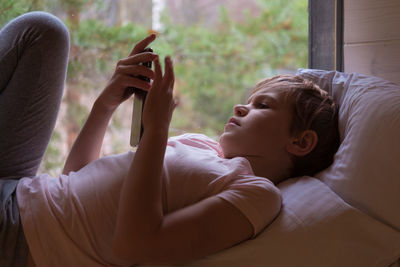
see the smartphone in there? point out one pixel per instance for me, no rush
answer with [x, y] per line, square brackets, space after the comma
[139, 97]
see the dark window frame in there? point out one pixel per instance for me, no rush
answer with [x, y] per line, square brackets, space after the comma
[325, 40]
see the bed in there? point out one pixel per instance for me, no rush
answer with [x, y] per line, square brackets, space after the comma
[348, 214]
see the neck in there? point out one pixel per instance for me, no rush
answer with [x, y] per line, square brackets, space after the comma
[273, 170]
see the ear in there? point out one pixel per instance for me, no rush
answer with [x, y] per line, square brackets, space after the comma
[303, 143]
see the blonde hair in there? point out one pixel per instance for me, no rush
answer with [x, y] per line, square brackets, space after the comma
[312, 109]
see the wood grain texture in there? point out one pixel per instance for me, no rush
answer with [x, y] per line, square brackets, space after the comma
[378, 59]
[371, 20]
[372, 38]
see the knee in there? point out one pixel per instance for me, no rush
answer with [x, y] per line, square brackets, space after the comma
[47, 27]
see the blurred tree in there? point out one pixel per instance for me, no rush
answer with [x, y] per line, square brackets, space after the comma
[135, 11]
[216, 67]
[9, 9]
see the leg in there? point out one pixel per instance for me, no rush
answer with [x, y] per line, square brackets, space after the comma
[33, 60]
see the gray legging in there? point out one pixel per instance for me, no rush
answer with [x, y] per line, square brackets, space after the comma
[33, 62]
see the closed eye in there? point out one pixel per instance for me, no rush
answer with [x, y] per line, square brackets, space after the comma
[261, 105]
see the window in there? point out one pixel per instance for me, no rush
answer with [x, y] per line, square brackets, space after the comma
[220, 49]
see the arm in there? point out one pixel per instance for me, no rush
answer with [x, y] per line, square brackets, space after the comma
[143, 233]
[87, 146]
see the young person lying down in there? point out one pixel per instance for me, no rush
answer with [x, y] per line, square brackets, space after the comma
[174, 199]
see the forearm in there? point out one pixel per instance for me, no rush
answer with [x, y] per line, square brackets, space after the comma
[87, 145]
[144, 235]
[140, 211]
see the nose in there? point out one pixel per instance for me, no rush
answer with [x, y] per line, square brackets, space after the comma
[240, 110]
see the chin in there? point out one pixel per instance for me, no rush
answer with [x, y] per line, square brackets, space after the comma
[228, 153]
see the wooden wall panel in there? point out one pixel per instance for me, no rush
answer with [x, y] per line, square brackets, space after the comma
[372, 38]
[371, 20]
[378, 59]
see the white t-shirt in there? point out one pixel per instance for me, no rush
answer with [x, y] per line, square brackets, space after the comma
[70, 220]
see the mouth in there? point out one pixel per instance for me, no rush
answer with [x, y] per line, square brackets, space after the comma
[234, 121]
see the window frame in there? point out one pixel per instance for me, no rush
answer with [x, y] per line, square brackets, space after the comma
[325, 40]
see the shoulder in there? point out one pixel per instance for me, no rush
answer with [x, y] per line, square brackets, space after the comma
[195, 140]
[254, 187]
[255, 182]
[196, 137]
[256, 197]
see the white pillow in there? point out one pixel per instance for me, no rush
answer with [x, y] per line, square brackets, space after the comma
[366, 168]
[314, 228]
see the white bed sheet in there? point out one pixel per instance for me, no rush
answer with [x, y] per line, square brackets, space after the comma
[314, 228]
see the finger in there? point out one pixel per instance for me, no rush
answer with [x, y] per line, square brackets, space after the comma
[157, 71]
[138, 58]
[135, 70]
[169, 77]
[129, 81]
[141, 45]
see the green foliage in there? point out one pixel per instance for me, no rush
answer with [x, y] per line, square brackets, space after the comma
[76, 5]
[98, 47]
[53, 163]
[10, 9]
[215, 68]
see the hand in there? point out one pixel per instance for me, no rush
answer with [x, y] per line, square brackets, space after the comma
[126, 75]
[160, 103]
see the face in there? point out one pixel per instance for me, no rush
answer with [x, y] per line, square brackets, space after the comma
[259, 128]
